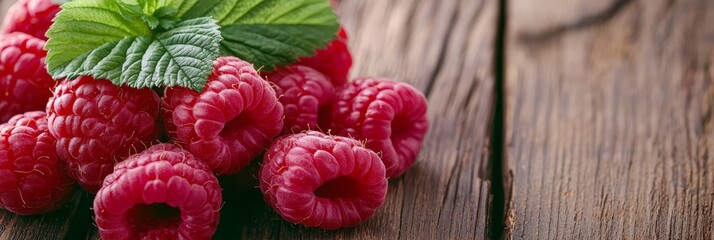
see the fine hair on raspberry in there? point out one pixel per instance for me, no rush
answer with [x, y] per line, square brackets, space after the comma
[98, 124]
[335, 60]
[161, 193]
[389, 116]
[33, 17]
[230, 122]
[322, 181]
[25, 84]
[32, 178]
[303, 92]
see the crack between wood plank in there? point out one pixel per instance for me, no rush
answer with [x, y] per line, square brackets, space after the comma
[498, 211]
[82, 218]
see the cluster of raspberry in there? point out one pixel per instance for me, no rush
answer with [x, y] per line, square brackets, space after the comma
[151, 156]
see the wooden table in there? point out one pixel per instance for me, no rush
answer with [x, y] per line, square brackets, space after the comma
[550, 119]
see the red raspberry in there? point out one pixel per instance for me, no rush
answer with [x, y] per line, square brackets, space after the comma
[334, 60]
[302, 91]
[32, 178]
[98, 124]
[161, 193]
[322, 181]
[230, 122]
[390, 116]
[25, 84]
[33, 17]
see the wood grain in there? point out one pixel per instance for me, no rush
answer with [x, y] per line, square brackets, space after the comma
[444, 48]
[4, 5]
[70, 220]
[609, 119]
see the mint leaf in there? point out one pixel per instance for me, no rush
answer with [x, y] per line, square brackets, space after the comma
[181, 56]
[152, 21]
[130, 11]
[184, 6]
[149, 12]
[111, 48]
[60, 2]
[148, 7]
[155, 43]
[165, 12]
[269, 33]
[83, 26]
[271, 45]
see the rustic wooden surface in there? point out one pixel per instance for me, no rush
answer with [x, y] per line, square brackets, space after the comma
[577, 120]
[426, 43]
[609, 130]
[444, 48]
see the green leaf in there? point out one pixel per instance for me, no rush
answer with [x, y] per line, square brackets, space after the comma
[165, 12]
[60, 2]
[83, 26]
[181, 56]
[150, 6]
[149, 11]
[184, 6]
[269, 33]
[130, 11]
[271, 45]
[155, 43]
[152, 21]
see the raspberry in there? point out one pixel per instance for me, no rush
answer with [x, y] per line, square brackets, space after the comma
[322, 181]
[32, 178]
[230, 122]
[25, 84]
[302, 91]
[390, 116]
[33, 17]
[98, 124]
[334, 60]
[161, 193]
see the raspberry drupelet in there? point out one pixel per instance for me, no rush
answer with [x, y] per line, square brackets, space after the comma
[32, 178]
[33, 17]
[25, 84]
[389, 116]
[302, 91]
[161, 193]
[98, 124]
[322, 181]
[335, 60]
[230, 122]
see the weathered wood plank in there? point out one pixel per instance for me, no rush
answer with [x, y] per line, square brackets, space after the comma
[72, 219]
[444, 48]
[609, 127]
[4, 5]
